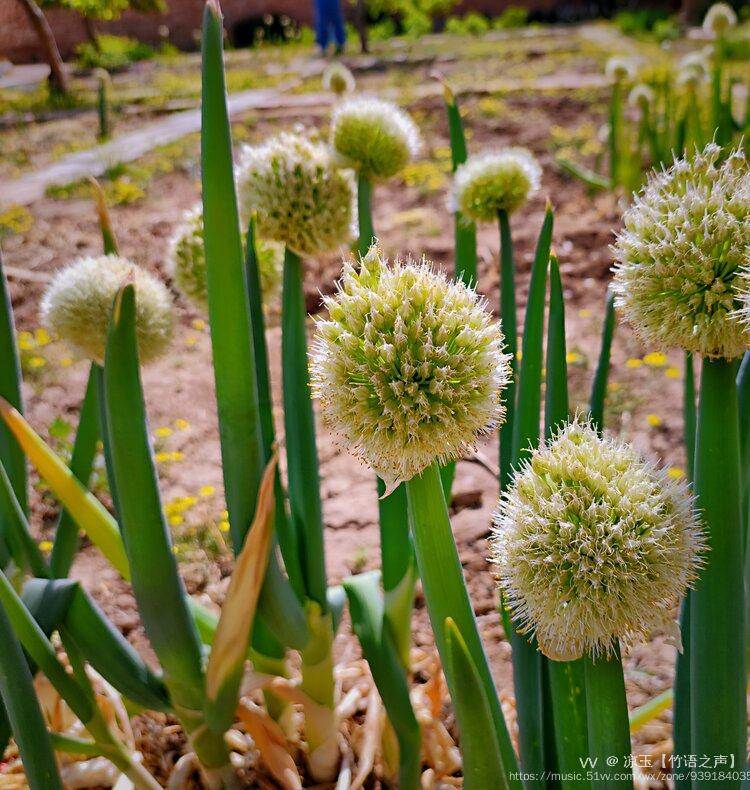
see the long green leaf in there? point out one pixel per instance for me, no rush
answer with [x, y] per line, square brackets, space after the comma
[11, 455]
[299, 424]
[717, 614]
[107, 650]
[25, 715]
[482, 762]
[40, 650]
[81, 464]
[368, 620]
[364, 214]
[16, 527]
[556, 394]
[90, 515]
[599, 385]
[446, 595]
[156, 582]
[232, 342]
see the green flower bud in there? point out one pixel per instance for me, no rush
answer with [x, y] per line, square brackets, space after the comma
[301, 199]
[78, 303]
[338, 79]
[409, 366]
[719, 18]
[594, 545]
[684, 241]
[494, 181]
[374, 137]
[186, 260]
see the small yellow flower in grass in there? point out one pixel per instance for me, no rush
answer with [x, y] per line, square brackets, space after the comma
[161, 457]
[672, 373]
[654, 420]
[78, 303]
[409, 366]
[594, 545]
[613, 386]
[573, 357]
[224, 515]
[181, 424]
[676, 472]
[42, 336]
[45, 545]
[66, 362]
[634, 363]
[191, 340]
[373, 136]
[37, 362]
[175, 520]
[26, 341]
[656, 359]
[207, 491]
[224, 526]
[488, 183]
[163, 432]
[584, 312]
[198, 324]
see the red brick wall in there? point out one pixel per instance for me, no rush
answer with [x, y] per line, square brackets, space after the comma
[18, 42]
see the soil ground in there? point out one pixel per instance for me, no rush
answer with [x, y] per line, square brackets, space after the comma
[644, 403]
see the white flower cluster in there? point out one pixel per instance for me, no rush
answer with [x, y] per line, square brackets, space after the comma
[593, 544]
[686, 238]
[409, 366]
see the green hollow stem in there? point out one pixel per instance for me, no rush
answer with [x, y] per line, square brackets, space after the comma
[615, 118]
[364, 214]
[508, 319]
[447, 597]
[598, 397]
[608, 725]
[26, 719]
[11, 455]
[81, 464]
[566, 679]
[717, 612]
[299, 424]
[681, 710]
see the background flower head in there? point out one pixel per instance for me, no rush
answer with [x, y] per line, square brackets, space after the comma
[373, 136]
[301, 199]
[685, 239]
[186, 260]
[494, 181]
[719, 18]
[593, 544]
[338, 79]
[78, 303]
[408, 366]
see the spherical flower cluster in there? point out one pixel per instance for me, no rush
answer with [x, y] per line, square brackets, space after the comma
[186, 260]
[641, 96]
[619, 68]
[685, 238]
[374, 137]
[409, 366]
[693, 68]
[593, 544]
[494, 181]
[719, 18]
[300, 197]
[338, 79]
[78, 303]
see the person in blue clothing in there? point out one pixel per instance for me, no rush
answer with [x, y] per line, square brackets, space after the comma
[329, 24]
